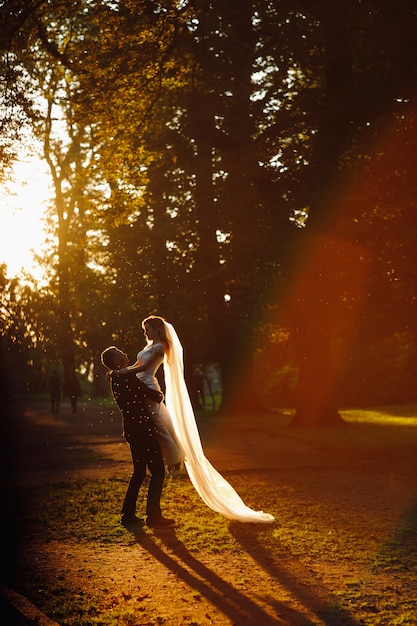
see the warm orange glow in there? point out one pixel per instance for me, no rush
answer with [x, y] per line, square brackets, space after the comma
[331, 270]
[22, 209]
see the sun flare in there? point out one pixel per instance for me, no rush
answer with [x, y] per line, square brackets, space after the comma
[22, 212]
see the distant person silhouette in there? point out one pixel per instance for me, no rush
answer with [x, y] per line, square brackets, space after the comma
[54, 385]
[74, 391]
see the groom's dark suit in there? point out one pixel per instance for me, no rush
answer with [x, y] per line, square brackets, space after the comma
[131, 396]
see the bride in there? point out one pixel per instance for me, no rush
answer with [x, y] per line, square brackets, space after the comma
[163, 346]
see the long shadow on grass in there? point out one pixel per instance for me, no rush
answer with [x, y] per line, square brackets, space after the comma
[231, 602]
[323, 604]
[400, 550]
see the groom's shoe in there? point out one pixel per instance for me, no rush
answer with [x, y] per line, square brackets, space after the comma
[159, 522]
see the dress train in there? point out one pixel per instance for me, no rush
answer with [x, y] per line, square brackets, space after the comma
[212, 488]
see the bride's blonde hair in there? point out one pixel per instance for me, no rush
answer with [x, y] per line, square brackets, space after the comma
[158, 324]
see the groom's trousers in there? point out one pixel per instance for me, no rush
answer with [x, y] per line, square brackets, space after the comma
[146, 452]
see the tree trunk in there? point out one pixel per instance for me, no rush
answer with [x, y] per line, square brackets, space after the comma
[316, 403]
[100, 387]
[320, 290]
[247, 243]
[66, 336]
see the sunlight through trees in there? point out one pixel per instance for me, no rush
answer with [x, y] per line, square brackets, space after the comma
[243, 168]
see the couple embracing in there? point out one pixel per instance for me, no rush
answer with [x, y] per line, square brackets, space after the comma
[165, 433]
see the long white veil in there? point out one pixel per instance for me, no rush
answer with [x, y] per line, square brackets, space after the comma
[213, 489]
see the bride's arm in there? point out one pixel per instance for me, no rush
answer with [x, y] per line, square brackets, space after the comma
[137, 367]
[143, 363]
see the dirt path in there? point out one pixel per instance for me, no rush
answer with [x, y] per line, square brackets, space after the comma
[158, 575]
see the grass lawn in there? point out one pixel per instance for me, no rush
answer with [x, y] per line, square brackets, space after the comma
[342, 550]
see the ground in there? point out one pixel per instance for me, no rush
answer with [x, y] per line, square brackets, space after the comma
[161, 579]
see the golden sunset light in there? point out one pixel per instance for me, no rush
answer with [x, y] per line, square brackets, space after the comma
[23, 202]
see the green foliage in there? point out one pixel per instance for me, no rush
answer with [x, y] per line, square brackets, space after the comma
[195, 134]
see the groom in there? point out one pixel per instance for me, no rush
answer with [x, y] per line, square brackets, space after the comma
[130, 395]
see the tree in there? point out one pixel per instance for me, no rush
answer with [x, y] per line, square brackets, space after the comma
[328, 275]
[212, 131]
[19, 108]
[26, 332]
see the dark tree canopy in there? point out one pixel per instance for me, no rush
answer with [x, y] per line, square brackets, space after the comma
[244, 168]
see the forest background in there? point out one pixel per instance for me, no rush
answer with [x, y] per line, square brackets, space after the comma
[247, 169]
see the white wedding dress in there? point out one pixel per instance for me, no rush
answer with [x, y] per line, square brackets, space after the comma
[151, 358]
[213, 489]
